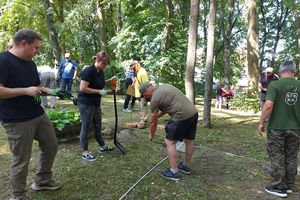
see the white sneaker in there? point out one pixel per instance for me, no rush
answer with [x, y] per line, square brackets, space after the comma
[19, 198]
[134, 108]
[126, 110]
[88, 156]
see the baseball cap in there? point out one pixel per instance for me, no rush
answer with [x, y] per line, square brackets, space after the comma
[144, 87]
[269, 69]
[67, 55]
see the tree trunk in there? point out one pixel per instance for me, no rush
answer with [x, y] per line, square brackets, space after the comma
[102, 30]
[252, 44]
[120, 23]
[264, 34]
[297, 22]
[205, 12]
[209, 65]
[226, 33]
[169, 26]
[280, 20]
[191, 52]
[52, 32]
[183, 7]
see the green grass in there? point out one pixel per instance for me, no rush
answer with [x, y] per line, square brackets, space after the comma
[230, 163]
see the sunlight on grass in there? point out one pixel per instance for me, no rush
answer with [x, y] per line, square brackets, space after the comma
[4, 149]
[229, 161]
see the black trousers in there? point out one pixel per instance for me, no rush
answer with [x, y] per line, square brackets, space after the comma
[128, 82]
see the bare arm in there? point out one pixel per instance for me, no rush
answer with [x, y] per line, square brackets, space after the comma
[267, 110]
[6, 93]
[75, 74]
[133, 81]
[153, 124]
[261, 87]
[84, 87]
[160, 114]
[110, 79]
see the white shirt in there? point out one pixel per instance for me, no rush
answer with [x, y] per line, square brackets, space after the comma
[44, 69]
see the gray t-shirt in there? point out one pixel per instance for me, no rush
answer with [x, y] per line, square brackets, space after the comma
[169, 99]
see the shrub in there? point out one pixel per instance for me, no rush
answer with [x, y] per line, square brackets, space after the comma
[63, 117]
[246, 101]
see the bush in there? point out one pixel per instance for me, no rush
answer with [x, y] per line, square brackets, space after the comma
[246, 101]
[200, 88]
[62, 118]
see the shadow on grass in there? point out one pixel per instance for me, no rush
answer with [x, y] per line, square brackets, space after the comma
[215, 174]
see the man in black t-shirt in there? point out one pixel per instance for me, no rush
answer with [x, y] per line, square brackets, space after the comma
[264, 82]
[22, 116]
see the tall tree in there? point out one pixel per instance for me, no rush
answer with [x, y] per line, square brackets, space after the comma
[191, 52]
[295, 8]
[265, 31]
[52, 31]
[169, 29]
[273, 18]
[280, 18]
[209, 65]
[226, 29]
[119, 23]
[102, 30]
[252, 43]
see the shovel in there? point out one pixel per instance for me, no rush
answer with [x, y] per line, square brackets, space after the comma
[118, 145]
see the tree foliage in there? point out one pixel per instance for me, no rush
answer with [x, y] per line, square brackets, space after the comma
[157, 31]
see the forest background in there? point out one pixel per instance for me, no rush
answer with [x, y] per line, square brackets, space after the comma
[247, 36]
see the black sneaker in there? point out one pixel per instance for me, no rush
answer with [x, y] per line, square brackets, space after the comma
[289, 190]
[275, 190]
[51, 185]
[105, 149]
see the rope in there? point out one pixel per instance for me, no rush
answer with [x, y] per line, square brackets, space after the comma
[224, 152]
[233, 155]
[196, 146]
[144, 176]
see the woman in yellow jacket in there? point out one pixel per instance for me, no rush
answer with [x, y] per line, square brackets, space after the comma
[141, 77]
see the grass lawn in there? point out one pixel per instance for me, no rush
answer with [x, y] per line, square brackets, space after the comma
[229, 163]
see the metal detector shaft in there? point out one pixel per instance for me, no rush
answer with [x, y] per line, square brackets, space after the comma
[53, 95]
[118, 145]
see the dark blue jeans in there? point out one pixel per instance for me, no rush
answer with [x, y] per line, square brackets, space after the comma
[90, 114]
[66, 85]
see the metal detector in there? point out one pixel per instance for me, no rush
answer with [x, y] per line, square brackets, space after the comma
[61, 95]
[118, 145]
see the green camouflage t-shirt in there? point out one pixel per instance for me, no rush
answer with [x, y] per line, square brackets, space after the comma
[286, 111]
[169, 99]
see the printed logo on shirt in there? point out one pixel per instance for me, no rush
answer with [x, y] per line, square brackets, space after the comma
[291, 95]
[68, 67]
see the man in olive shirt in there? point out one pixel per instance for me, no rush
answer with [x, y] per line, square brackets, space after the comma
[282, 108]
[181, 127]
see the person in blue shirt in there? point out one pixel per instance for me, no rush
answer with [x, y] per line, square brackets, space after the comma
[67, 73]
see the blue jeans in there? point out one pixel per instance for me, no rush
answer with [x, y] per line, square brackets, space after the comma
[90, 114]
[66, 85]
